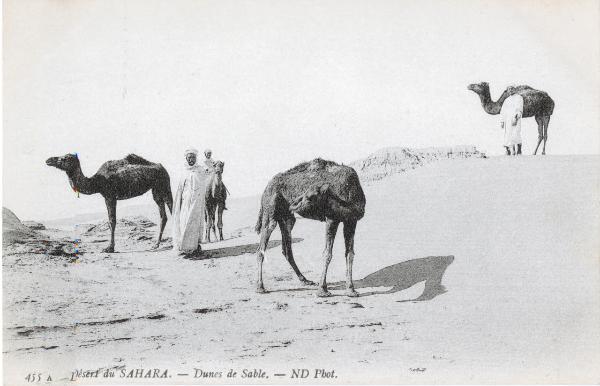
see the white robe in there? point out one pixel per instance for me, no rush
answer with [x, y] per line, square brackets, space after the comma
[188, 212]
[209, 166]
[511, 114]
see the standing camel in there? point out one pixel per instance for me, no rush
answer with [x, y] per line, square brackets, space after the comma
[318, 190]
[536, 104]
[122, 179]
[214, 200]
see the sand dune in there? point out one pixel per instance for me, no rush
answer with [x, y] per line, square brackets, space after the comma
[470, 270]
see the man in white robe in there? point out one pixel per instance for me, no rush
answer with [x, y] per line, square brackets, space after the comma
[209, 164]
[188, 212]
[510, 120]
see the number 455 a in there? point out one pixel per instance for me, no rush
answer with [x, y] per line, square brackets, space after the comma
[36, 377]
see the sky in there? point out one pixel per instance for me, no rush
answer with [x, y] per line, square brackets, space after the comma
[269, 84]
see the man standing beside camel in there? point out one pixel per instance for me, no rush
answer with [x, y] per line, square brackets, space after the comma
[188, 213]
[511, 114]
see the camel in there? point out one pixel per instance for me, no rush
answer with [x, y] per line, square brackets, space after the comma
[318, 190]
[536, 104]
[121, 179]
[214, 201]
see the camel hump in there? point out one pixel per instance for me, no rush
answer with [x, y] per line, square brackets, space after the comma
[137, 160]
[317, 164]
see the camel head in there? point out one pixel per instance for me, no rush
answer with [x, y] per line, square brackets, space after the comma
[313, 203]
[479, 88]
[219, 166]
[68, 162]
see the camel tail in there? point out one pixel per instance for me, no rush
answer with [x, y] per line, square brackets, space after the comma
[258, 226]
[169, 199]
[165, 188]
[550, 105]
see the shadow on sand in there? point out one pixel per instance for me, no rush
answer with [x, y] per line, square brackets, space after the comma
[235, 250]
[404, 275]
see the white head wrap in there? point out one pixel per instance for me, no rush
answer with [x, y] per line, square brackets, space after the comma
[190, 150]
[207, 151]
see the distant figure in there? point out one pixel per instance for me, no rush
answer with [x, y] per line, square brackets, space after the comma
[510, 120]
[188, 213]
[536, 104]
[210, 169]
[214, 200]
[209, 164]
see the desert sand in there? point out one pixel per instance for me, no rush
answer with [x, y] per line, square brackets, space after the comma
[470, 271]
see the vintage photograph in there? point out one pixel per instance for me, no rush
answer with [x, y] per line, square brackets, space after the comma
[300, 191]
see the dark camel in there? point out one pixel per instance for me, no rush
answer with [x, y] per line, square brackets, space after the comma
[122, 179]
[319, 190]
[536, 104]
[214, 201]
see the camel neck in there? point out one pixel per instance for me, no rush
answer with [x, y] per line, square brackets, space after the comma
[489, 106]
[80, 183]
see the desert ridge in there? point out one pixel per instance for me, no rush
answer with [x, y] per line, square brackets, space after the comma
[444, 252]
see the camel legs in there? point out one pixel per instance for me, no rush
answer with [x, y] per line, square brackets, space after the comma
[210, 223]
[545, 121]
[207, 222]
[265, 233]
[220, 208]
[540, 123]
[349, 229]
[330, 231]
[212, 226]
[163, 222]
[163, 217]
[286, 225]
[111, 206]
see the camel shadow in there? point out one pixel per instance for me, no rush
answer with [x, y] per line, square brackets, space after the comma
[233, 251]
[404, 275]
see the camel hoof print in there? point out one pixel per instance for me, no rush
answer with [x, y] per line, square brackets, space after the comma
[324, 294]
[352, 294]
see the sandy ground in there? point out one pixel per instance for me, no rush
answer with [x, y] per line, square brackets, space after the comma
[514, 242]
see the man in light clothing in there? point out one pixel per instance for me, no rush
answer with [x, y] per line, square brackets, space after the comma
[511, 114]
[188, 212]
[209, 164]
